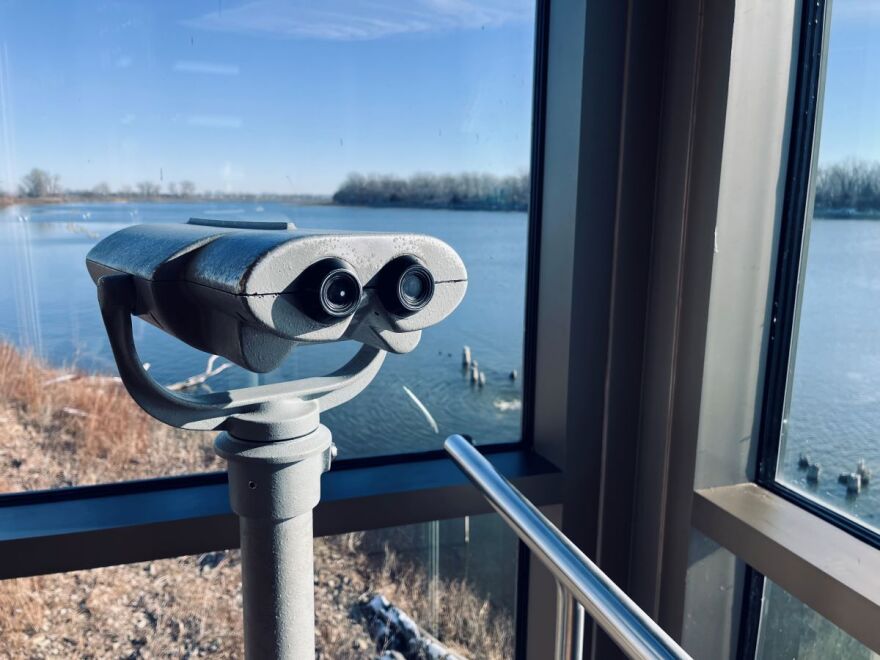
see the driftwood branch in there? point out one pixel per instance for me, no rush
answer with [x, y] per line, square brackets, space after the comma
[198, 379]
[93, 380]
[192, 381]
[423, 409]
[398, 635]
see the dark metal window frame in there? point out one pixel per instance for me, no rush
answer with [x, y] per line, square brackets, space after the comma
[797, 205]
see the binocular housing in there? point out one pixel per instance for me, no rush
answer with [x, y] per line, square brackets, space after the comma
[251, 291]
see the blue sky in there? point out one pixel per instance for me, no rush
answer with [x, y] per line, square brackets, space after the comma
[266, 95]
[291, 95]
[851, 114]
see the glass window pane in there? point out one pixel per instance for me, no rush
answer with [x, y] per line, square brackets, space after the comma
[831, 434]
[393, 116]
[790, 629]
[455, 579]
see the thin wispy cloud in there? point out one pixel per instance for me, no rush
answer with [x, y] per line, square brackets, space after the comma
[862, 10]
[350, 20]
[208, 68]
[214, 121]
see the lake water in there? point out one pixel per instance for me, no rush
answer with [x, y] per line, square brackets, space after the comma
[49, 306]
[835, 400]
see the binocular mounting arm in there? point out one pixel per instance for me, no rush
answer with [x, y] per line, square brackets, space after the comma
[263, 413]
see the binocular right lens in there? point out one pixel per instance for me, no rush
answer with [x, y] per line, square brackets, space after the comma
[406, 286]
[415, 288]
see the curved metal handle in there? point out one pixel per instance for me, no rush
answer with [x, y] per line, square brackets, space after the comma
[212, 411]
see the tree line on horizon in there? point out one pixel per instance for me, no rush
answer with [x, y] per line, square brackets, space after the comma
[842, 188]
[447, 191]
[850, 185]
[38, 184]
[41, 184]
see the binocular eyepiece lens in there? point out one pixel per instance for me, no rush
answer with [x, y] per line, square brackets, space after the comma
[329, 290]
[406, 286]
[416, 288]
[340, 293]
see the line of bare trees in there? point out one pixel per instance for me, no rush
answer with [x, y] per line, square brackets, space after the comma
[462, 191]
[848, 186]
[39, 183]
[145, 189]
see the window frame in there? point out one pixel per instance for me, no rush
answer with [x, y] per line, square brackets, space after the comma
[427, 458]
[791, 264]
[628, 136]
[732, 504]
[110, 524]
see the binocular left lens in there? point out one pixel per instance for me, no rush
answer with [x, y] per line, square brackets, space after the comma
[330, 290]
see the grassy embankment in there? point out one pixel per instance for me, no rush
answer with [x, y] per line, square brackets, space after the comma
[63, 428]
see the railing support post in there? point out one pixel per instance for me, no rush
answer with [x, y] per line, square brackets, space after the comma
[569, 626]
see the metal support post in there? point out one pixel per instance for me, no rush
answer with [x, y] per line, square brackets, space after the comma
[273, 488]
[569, 626]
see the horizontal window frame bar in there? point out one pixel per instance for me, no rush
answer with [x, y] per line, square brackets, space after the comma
[95, 526]
[824, 511]
[148, 484]
[828, 569]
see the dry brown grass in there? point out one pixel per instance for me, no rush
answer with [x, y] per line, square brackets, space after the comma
[186, 607]
[465, 621]
[190, 607]
[80, 429]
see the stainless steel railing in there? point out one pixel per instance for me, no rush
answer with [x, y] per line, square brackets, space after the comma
[581, 585]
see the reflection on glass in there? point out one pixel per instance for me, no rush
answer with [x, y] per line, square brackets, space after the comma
[790, 629]
[831, 435]
[454, 578]
[409, 116]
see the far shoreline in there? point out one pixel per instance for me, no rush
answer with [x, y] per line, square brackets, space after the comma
[429, 207]
[327, 200]
[298, 200]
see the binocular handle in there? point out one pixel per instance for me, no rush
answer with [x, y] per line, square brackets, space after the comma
[263, 413]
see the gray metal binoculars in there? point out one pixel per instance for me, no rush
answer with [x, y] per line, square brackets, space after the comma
[251, 292]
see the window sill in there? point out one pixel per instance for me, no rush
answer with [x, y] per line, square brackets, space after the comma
[831, 571]
[81, 528]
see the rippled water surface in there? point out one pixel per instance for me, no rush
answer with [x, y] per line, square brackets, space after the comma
[835, 397]
[49, 306]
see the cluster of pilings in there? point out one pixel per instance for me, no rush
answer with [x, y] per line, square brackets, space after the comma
[854, 481]
[475, 375]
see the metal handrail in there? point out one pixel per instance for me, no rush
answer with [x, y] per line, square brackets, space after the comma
[626, 623]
